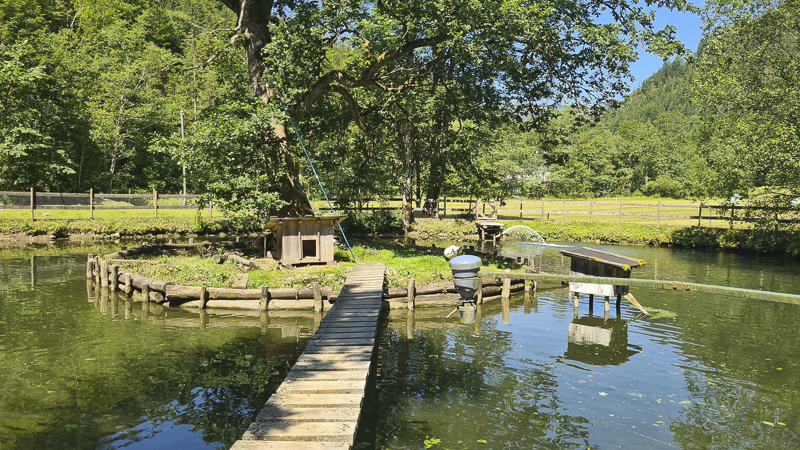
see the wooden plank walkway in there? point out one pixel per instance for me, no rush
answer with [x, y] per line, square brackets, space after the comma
[318, 405]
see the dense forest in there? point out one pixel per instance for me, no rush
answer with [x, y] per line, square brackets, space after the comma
[450, 98]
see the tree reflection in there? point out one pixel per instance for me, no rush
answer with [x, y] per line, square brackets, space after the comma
[458, 387]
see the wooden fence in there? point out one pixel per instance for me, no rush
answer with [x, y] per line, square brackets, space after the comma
[611, 211]
[90, 202]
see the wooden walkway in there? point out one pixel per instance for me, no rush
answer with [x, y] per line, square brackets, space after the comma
[319, 403]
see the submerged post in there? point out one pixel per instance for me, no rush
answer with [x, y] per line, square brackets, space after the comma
[203, 296]
[412, 292]
[317, 297]
[89, 266]
[104, 273]
[114, 277]
[506, 288]
[263, 302]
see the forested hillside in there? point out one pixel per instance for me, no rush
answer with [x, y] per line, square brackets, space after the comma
[85, 87]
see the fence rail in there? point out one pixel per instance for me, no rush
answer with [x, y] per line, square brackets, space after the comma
[91, 202]
[614, 211]
[544, 210]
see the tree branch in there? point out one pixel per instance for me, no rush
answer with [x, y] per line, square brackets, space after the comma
[326, 82]
[211, 59]
[352, 106]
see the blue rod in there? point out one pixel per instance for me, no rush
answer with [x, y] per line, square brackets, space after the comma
[320, 186]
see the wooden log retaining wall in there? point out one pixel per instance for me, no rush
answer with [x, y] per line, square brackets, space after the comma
[107, 272]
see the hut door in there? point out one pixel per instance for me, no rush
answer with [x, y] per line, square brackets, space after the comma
[310, 249]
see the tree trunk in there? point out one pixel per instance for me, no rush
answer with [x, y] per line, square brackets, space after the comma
[408, 176]
[255, 29]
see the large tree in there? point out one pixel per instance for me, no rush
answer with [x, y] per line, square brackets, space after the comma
[533, 55]
[747, 84]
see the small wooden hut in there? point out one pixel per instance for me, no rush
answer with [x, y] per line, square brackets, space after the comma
[587, 261]
[304, 240]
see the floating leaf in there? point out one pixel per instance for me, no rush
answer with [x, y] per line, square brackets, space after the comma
[768, 423]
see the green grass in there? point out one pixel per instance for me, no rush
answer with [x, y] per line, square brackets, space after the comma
[422, 264]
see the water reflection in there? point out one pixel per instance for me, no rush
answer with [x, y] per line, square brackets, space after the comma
[85, 367]
[600, 342]
[709, 372]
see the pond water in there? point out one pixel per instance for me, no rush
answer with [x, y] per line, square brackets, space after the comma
[82, 369]
[85, 370]
[712, 372]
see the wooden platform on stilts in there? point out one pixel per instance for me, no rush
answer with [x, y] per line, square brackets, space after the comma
[318, 405]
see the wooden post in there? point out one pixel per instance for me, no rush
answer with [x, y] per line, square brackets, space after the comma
[126, 279]
[542, 209]
[33, 204]
[710, 214]
[114, 277]
[620, 211]
[97, 270]
[700, 215]
[506, 293]
[211, 209]
[444, 210]
[89, 266]
[591, 209]
[412, 293]
[565, 212]
[203, 296]
[91, 203]
[263, 303]
[658, 214]
[146, 292]
[317, 297]
[155, 203]
[506, 314]
[104, 273]
[520, 209]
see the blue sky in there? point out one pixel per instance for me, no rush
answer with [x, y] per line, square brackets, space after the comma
[689, 32]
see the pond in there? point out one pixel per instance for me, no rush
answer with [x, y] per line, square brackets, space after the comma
[86, 370]
[712, 372]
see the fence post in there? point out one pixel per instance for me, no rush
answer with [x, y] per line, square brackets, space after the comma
[91, 203]
[33, 204]
[211, 209]
[444, 210]
[710, 214]
[542, 209]
[591, 209]
[658, 214]
[520, 210]
[155, 203]
[700, 215]
[565, 212]
[620, 211]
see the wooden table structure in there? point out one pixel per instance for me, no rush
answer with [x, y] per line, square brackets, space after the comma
[318, 405]
[588, 261]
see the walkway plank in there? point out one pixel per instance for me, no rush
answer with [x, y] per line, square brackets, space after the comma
[318, 405]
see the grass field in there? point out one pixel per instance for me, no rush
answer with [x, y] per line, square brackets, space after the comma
[635, 210]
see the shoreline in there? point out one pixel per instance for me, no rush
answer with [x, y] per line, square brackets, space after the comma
[768, 242]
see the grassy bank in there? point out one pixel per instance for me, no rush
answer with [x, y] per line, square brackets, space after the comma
[425, 265]
[125, 226]
[778, 242]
